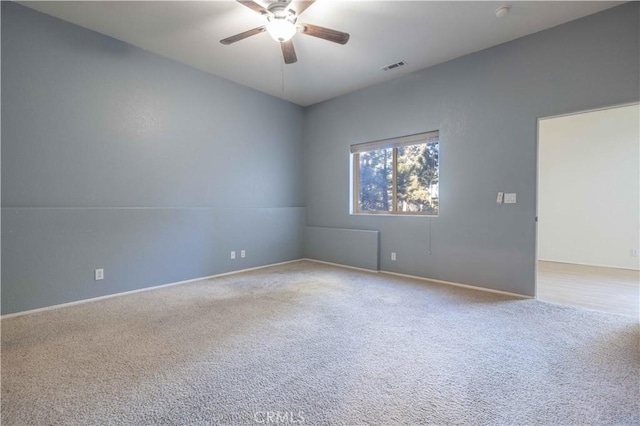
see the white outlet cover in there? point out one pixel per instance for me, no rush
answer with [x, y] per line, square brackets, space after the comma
[99, 274]
[233, 255]
[393, 256]
[243, 253]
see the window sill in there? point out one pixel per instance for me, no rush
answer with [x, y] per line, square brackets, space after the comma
[394, 214]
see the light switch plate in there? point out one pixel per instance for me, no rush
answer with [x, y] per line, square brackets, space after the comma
[510, 198]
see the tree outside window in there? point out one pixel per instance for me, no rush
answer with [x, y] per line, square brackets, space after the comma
[397, 176]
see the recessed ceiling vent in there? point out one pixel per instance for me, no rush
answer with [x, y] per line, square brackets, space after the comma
[394, 66]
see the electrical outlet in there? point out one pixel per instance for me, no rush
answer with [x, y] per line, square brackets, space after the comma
[634, 252]
[393, 256]
[233, 254]
[499, 198]
[243, 254]
[99, 274]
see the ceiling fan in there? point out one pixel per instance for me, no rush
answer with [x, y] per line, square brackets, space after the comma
[281, 23]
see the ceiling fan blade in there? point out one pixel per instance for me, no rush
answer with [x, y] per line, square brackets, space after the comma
[253, 6]
[324, 33]
[243, 35]
[288, 52]
[299, 6]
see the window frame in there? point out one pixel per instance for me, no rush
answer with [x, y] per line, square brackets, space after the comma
[393, 144]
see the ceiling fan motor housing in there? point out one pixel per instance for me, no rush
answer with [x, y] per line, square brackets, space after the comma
[281, 10]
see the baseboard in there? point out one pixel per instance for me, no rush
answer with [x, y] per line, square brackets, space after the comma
[467, 286]
[589, 264]
[415, 277]
[140, 290]
[125, 293]
[340, 265]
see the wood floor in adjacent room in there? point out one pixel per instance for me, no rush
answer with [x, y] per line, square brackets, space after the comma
[601, 289]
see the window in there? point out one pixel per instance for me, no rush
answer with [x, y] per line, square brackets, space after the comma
[396, 176]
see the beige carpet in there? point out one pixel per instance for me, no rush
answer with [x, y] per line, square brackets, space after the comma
[305, 343]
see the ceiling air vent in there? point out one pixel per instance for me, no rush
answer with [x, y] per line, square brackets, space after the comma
[393, 66]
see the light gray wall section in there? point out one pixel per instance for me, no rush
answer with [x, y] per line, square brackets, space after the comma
[91, 121]
[49, 255]
[486, 106]
[92, 126]
[350, 247]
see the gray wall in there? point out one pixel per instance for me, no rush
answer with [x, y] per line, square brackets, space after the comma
[350, 247]
[117, 158]
[486, 107]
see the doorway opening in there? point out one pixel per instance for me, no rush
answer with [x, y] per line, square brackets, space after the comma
[588, 209]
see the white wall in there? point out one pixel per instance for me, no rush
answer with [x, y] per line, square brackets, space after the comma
[589, 188]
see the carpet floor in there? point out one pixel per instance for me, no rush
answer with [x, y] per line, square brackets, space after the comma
[306, 343]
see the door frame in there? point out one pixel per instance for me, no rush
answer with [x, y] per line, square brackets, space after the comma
[537, 183]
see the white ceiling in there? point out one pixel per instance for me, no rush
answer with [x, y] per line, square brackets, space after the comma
[422, 33]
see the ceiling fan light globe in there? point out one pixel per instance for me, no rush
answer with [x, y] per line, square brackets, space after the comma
[281, 29]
